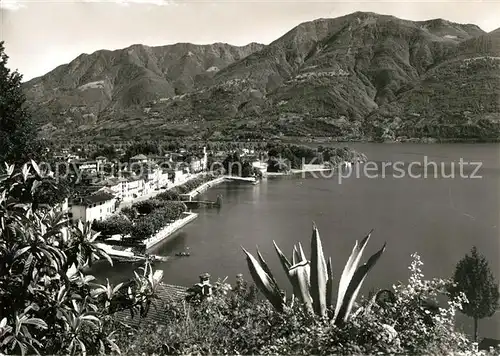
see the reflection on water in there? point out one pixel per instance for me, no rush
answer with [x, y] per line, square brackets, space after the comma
[178, 243]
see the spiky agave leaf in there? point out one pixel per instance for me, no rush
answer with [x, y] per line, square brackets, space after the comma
[264, 282]
[329, 284]
[354, 287]
[266, 268]
[302, 255]
[350, 269]
[319, 274]
[299, 276]
[295, 255]
[284, 261]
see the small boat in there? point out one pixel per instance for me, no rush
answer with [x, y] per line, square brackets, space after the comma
[183, 254]
[156, 258]
[160, 258]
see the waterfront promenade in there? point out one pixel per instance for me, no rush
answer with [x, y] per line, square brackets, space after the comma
[154, 193]
[205, 186]
[165, 233]
[298, 171]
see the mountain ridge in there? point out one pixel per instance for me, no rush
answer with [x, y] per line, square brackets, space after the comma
[356, 77]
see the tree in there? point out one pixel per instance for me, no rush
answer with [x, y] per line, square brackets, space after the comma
[247, 169]
[232, 164]
[51, 192]
[168, 195]
[48, 303]
[107, 151]
[18, 140]
[142, 229]
[473, 277]
[130, 213]
[116, 224]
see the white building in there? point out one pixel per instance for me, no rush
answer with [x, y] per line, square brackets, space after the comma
[261, 166]
[164, 178]
[197, 165]
[132, 188]
[139, 159]
[94, 207]
[114, 185]
[247, 151]
[180, 176]
[86, 166]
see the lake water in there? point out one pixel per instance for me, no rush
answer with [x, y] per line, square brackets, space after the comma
[440, 218]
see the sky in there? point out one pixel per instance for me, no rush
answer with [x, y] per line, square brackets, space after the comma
[40, 35]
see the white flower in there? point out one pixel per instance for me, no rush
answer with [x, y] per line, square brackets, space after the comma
[391, 332]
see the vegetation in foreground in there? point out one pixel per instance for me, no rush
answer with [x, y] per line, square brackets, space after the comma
[407, 319]
[474, 278]
[50, 305]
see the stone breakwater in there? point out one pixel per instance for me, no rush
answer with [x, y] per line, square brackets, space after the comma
[205, 186]
[202, 188]
[164, 234]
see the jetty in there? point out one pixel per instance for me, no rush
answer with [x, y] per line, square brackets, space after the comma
[201, 189]
[204, 187]
[164, 234]
[196, 204]
[120, 249]
[128, 255]
[240, 179]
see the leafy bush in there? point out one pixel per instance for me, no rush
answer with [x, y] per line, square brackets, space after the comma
[169, 195]
[416, 313]
[130, 212]
[159, 214]
[48, 304]
[51, 192]
[142, 229]
[147, 206]
[337, 155]
[116, 224]
[235, 321]
[194, 183]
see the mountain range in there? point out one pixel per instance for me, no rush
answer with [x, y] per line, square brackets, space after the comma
[362, 76]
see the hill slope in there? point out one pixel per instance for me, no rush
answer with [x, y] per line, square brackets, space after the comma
[360, 76]
[77, 93]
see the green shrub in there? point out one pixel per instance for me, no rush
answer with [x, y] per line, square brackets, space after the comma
[130, 212]
[116, 224]
[142, 229]
[169, 195]
[147, 206]
[159, 213]
[236, 321]
[48, 304]
[194, 183]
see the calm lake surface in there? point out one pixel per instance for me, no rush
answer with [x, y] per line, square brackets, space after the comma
[440, 218]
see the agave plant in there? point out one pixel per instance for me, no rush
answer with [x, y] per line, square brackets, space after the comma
[312, 280]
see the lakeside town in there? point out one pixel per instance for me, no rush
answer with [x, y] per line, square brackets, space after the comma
[118, 197]
[268, 170]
